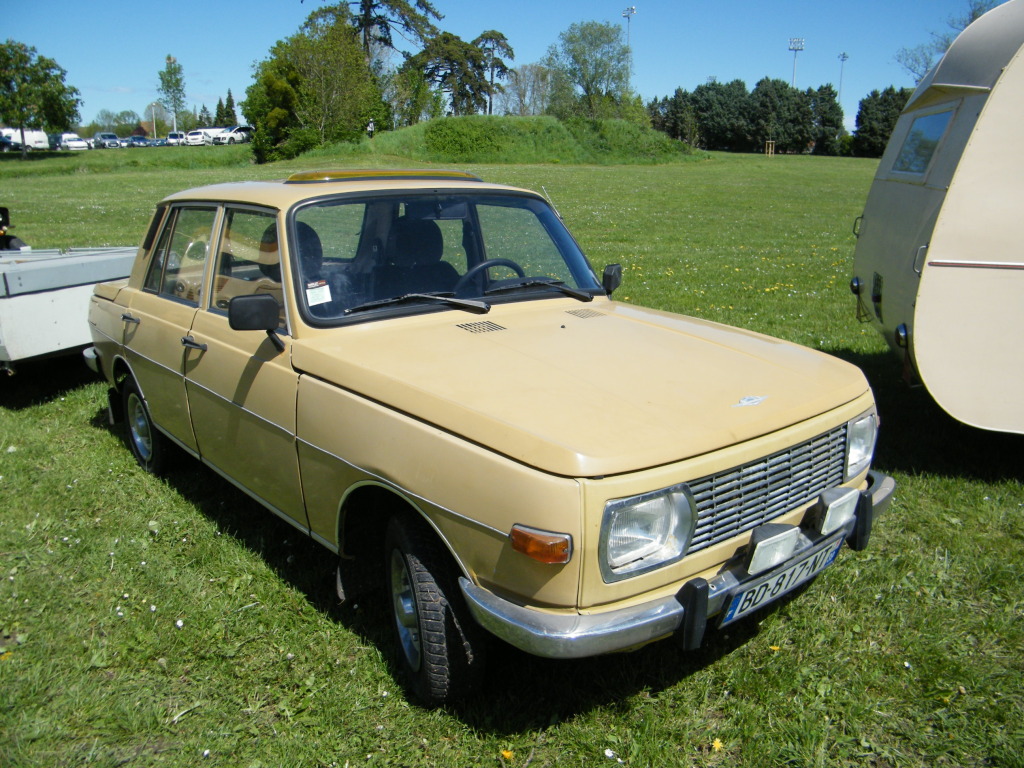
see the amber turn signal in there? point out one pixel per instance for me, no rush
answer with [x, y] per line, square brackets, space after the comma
[543, 546]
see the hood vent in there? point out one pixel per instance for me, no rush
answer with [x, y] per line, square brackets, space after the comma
[585, 313]
[484, 326]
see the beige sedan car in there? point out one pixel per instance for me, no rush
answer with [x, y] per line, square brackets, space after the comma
[423, 372]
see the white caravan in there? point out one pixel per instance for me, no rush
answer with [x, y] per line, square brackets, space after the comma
[939, 266]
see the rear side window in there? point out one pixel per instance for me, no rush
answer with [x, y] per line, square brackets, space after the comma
[180, 260]
[922, 140]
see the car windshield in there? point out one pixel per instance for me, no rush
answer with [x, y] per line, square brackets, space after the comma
[360, 258]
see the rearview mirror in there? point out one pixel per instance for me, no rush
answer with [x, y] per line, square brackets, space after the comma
[258, 312]
[612, 278]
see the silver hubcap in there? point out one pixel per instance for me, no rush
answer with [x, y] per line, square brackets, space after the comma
[403, 603]
[138, 425]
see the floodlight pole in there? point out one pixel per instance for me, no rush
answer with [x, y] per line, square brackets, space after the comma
[628, 15]
[842, 62]
[796, 44]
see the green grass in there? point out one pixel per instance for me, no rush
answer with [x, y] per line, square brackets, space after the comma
[907, 654]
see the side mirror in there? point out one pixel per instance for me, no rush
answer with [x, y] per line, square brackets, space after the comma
[612, 278]
[257, 312]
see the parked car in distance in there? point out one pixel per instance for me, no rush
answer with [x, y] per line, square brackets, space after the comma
[105, 141]
[197, 138]
[72, 141]
[138, 141]
[423, 372]
[176, 138]
[236, 135]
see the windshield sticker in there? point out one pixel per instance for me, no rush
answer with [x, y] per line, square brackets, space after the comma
[317, 292]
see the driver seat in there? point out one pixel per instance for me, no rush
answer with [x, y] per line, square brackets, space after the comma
[414, 262]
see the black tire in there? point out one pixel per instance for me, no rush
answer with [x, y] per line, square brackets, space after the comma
[146, 442]
[439, 645]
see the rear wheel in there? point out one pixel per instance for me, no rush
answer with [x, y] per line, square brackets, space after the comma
[439, 644]
[147, 443]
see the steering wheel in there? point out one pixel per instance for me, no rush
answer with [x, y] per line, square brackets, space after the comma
[473, 271]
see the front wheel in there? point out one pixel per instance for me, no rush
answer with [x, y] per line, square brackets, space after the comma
[439, 644]
[146, 442]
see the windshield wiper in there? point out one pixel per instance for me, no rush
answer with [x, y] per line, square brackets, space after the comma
[477, 307]
[533, 282]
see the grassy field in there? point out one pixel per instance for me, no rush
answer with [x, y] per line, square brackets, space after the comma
[173, 622]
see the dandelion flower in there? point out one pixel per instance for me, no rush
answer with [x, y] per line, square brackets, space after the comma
[717, 746]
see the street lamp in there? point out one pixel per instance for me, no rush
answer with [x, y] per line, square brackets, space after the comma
[842, 62]
[628, 15]
[796, 44]
[152, 112]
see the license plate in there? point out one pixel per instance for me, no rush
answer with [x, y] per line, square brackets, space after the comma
[778, 583]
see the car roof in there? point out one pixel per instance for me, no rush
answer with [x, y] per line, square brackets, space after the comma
[283, 193]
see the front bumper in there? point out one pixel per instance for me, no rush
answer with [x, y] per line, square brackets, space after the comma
[567, 636]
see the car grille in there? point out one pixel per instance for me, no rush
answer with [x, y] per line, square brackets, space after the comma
[734, 501]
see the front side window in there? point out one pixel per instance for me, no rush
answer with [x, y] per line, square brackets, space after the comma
[356, 258]
[179, 262]
[921, 142]
[249, 261]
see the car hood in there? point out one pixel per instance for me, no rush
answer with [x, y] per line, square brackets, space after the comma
[583, 390]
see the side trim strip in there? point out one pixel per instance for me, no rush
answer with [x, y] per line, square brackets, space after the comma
[977, 264]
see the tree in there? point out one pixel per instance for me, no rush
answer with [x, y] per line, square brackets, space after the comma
[33, 94]
[780, 113]
[172, 88]
[377, 20]
[591, 70]
[411, 97]
[204, 117]
[494, 44]
[218, 115]
[316, 87]
[528, 91]
[457, 68]
[230, 116]
[876, 118]
[722, 111]
[827, 114]
[919, 60]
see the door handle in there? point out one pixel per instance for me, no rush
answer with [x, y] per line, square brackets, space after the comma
[188, 341]
[128, 318]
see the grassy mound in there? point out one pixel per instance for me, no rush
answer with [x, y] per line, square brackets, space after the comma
[524, 140]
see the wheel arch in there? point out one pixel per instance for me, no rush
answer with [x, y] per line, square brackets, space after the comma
[363, 517]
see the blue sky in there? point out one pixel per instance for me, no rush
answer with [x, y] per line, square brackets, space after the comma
[113, 52]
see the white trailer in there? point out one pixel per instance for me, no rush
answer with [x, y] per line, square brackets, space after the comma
[939, 265]
[44, 298]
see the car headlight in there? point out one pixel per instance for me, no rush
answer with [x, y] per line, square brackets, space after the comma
[644, 532]
[860, 443]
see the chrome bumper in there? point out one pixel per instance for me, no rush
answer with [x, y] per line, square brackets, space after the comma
[569, 636]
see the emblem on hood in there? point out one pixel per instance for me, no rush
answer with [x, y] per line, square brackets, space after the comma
[750, 400]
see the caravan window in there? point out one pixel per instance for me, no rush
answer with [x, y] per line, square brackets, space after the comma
[922, 140]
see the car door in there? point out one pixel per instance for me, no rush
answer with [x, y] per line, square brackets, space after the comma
[157, 318]
[241, 387]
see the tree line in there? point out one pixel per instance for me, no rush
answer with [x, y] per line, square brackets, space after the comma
[726, 116]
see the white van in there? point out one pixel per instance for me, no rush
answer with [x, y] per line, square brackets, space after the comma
[938, 267]
[33, 139]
